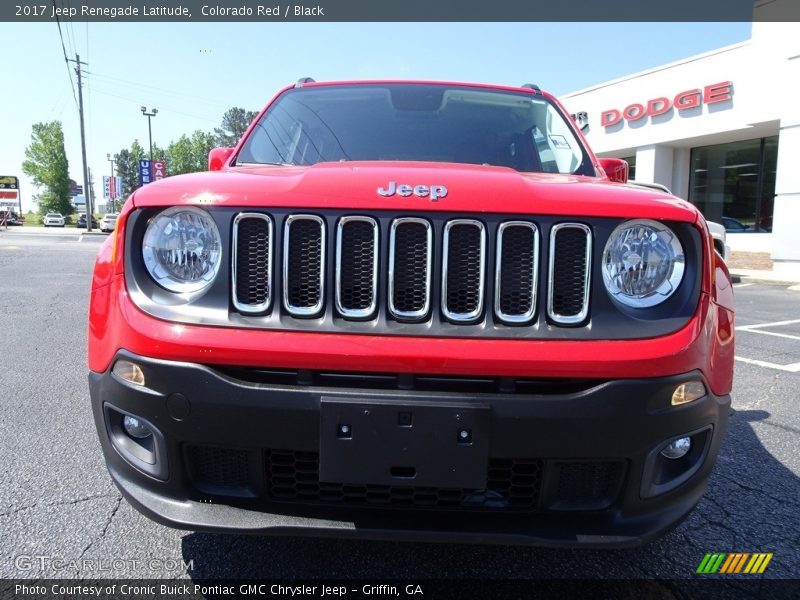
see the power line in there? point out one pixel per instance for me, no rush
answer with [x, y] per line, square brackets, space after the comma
[133, 101]
[66, 60]
[152, 87]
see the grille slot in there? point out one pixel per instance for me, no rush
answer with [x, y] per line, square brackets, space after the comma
[570, 268]
[463, 273]
[516, 271]
[356, 267]
[410, 256]
[303, 265]
[252, 262]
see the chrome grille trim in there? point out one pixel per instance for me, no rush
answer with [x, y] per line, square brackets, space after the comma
[393, 310]
[498, 309]
[303, 311]
[240, 306]
[349, 312]
[475, 313]
[581, 316]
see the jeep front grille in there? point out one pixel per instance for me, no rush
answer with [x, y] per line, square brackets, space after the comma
[384, 269]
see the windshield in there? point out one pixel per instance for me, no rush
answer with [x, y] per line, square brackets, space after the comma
[416, 122]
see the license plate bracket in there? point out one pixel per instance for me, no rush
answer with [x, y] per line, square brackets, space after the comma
[420, 443]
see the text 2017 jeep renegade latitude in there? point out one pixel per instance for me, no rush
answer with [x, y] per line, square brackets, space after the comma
[412, 310]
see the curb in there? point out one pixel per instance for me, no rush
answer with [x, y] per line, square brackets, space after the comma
[774, 280]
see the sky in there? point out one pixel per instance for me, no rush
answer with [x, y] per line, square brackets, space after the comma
[193, 72]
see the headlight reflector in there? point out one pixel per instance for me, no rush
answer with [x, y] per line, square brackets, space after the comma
[643, 263]
[181, 249]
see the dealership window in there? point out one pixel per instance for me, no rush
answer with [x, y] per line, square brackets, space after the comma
[631, 160]
[734, 184]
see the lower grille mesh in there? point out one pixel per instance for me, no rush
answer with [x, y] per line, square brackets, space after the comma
[588, 485]
[516, 484]
[512, 484]
[219, 470]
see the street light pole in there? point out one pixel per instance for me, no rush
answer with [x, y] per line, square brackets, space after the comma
[112, 194]
[150, 127]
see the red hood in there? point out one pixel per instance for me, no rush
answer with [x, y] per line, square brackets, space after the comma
[470, 189]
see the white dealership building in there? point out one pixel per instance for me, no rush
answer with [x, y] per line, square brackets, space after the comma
[721, 129]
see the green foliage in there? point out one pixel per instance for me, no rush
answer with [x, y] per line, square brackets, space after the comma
[127, 167]
[46, 164]
[235, 122]
[189, 154]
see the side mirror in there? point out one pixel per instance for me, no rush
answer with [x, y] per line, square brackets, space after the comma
[616, 169]
[218, 157]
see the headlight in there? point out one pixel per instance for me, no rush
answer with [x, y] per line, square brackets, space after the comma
[181, 249]
[643, 263]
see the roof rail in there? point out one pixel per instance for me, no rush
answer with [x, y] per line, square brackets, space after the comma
[303, 80]
[532, 86]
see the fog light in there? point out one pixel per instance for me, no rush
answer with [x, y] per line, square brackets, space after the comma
[135, 428]
[677, 448]
[129, 372]
[688, 392]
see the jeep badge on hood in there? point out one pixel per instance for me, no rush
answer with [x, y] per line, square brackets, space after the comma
[405, 190]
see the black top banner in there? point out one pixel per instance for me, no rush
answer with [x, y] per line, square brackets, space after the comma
[398, 10]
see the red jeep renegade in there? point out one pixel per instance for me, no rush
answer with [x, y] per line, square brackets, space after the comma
[412, 310]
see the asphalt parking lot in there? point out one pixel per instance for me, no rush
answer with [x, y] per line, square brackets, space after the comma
[57, 501]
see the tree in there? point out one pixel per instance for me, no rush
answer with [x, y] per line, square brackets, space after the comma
[235, 122]
[127, 167]
[46, 164]
[189, 154]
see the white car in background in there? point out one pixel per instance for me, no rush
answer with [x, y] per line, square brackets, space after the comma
[53, 219]
[108, 222]
[717, 230]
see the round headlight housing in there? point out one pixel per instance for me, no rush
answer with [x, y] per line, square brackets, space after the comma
[181, 249]
[643, 263]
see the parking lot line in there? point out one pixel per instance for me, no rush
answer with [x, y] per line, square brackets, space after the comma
[792, 368]
[762, 325]
[775, 333]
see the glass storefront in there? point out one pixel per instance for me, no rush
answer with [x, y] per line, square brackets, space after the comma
[734, 184]
[631, 160]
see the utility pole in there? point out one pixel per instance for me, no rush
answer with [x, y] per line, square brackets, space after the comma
[86, 189]
[112, 189]
[149, 115]
[90, 194]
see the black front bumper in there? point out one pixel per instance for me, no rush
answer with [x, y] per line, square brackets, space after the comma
[547, 464]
